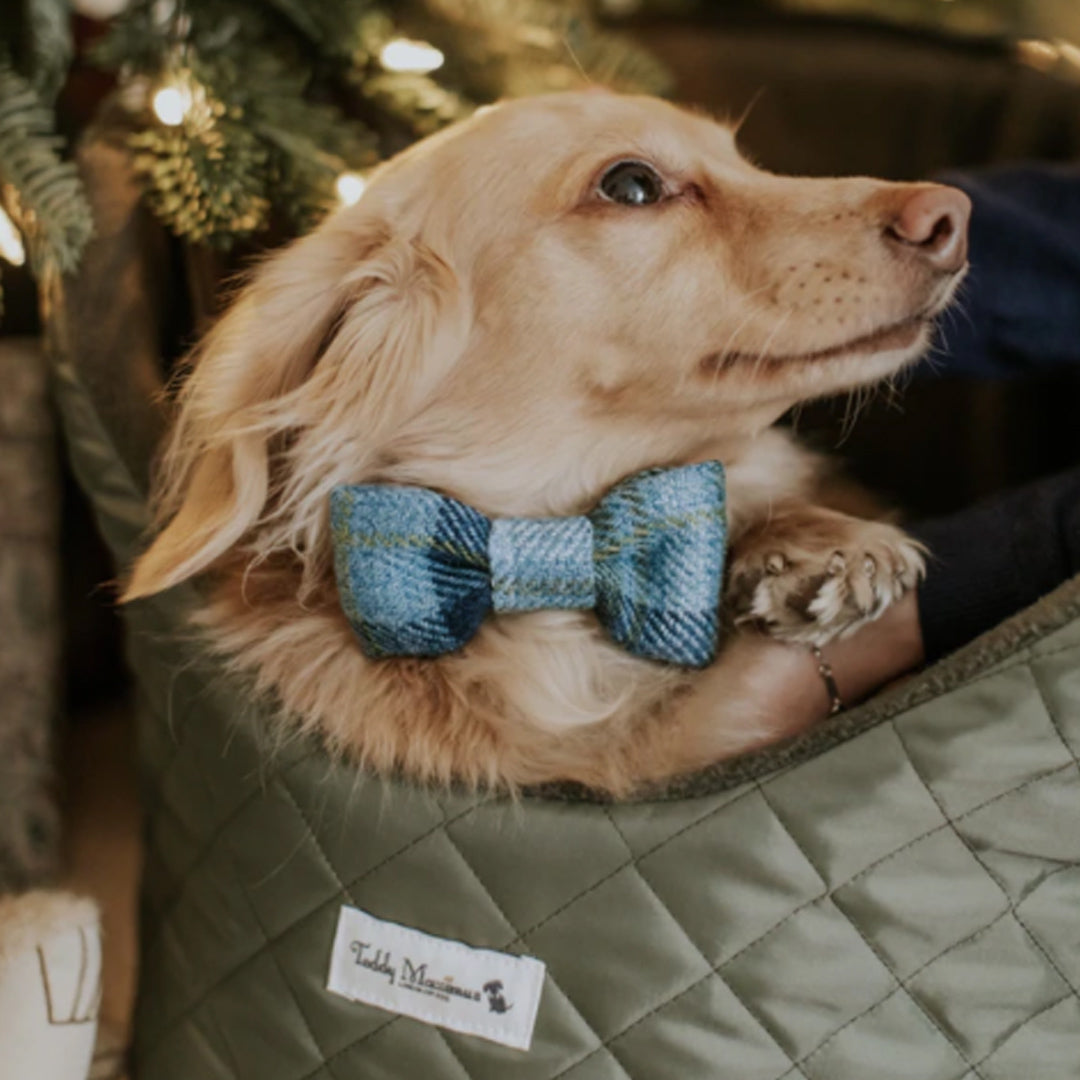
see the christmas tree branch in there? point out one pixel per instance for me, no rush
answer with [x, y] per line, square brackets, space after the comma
[41, 192]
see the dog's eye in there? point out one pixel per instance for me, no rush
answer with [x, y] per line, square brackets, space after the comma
[632, 183]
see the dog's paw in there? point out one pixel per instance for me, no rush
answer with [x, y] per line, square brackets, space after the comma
[822, 582]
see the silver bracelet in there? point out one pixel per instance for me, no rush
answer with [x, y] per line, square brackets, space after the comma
[836, 702]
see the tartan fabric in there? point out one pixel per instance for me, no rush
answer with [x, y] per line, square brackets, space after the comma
[412, 568]
[417, 571]
[538, 564]
[661, 538]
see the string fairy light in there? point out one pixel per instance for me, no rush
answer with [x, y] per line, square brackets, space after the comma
[1059, 55]
[11, 245]
[1070, 53]
[349, 186]
[172, 103]
[417, 57]
[1041, 55]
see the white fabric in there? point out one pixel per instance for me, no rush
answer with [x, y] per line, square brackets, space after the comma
[480, 992]
[50, 986]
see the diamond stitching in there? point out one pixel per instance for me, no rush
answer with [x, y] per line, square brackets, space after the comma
[990, 873]
[950, 824]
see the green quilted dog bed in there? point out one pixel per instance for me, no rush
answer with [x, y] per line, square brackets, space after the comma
[896, 895]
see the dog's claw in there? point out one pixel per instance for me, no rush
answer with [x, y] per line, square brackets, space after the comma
[776, 563]
[812, 597]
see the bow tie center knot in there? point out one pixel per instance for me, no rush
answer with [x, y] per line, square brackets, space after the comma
[541, 563]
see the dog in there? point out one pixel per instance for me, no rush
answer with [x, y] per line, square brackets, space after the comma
[519, 312]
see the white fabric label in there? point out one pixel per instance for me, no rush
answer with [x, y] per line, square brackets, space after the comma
[475, 991]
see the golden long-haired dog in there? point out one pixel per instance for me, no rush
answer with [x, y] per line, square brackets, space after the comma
[519, 312]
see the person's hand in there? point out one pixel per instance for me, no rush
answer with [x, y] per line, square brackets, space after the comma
[875, 655]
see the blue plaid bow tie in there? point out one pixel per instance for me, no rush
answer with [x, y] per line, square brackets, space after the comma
[417, 571]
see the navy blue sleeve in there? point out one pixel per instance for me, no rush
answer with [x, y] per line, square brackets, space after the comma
[1018, 314]
[993, 559]
[1019, 309]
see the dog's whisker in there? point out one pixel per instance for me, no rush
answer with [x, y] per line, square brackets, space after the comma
[753, 312]
[737, 125]
[892, 393]
[845, 420]
[763, 353]
[576, 61]
[856, 403]
[958, 308]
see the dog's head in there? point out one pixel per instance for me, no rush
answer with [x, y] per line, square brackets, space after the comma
[525, 308]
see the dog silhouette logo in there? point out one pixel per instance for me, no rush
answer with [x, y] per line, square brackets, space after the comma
[496, 1002]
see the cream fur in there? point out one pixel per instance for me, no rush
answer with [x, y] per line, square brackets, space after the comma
[483, 323]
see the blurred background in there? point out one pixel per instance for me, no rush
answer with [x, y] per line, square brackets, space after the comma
[149, 149]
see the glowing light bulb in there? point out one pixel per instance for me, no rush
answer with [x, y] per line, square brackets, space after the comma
[1042, 55]
[11, 245]
[1069, 52]
[171, 104]
[350, 186]
[416, 56]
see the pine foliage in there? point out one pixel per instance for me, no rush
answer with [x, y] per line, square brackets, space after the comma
[285, 95]
[41, 192]
[45, 48]
[278, 98]
[38, 190]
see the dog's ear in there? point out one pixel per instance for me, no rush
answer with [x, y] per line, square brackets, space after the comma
[335, 342]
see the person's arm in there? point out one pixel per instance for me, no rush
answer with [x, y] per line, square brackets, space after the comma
[1019, 312]
[1019, 308]
[986, 563]
[874, 656]
[995, 558]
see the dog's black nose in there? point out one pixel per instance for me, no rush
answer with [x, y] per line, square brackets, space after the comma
[932, 223]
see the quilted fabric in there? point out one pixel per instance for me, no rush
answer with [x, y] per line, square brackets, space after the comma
[896, 896]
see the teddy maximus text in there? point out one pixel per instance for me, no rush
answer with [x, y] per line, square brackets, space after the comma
[411, 975]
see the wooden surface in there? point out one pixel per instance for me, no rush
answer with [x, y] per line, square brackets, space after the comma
[102, 852]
